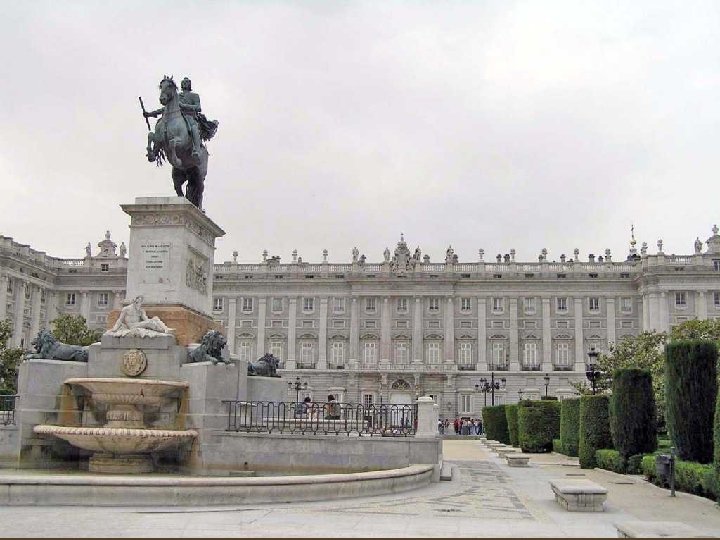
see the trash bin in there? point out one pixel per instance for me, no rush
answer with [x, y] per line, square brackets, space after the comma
[663, 462]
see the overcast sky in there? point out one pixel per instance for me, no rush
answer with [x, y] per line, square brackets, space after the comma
[491, 125]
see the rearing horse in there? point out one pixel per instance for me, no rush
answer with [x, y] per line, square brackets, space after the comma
[171, 140]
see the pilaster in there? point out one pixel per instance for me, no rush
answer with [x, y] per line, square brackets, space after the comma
[35, 312]
[3, 296]
[701, 308]
[260, 349]
[417, 336]
[385, 330]
[579, 343]
[449, 317]
[546, 335]
[322, 335]
[482, 345]
[85, 305]
[231, 324]
[514, 338]
[354, 331]
[19, 311]
[611, 324]
[292, 332]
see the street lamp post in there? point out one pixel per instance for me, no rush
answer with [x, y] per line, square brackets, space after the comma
[486, 386]
[297, 386]
[591, 370]
[547, 383]
[520, 395]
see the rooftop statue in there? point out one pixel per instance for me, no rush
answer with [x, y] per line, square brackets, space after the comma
[134, 322]
[179, 136]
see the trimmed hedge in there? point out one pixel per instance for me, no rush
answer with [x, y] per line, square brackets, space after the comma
[690, 477]
[511, 413]
[632, 412]
[594, 429]
[690, 393]
[495, 423]
[538, 425]
[557, 446]
[612, 460]
[569, 426]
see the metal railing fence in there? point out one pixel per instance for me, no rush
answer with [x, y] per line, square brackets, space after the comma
[322, 418]
[7, 410]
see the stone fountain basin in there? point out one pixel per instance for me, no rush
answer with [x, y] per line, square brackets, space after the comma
[118, 440]
[129, 391]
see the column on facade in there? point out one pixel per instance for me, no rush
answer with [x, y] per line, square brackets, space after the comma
[35, 313]
[385, 330]
[19, 312]
[514, 337]
[50, 307]
[417, 335]
[645, 312]
[654, 311]
[546, 334]
[260, 348]
[85, 305]
[3, 296]
[579, 344]
[664, 325]
[701, 308]
[292, 332]
[322, 337]
[354, 331]
[449, 323]
[231, 324]
[611, 324]
[482, 346]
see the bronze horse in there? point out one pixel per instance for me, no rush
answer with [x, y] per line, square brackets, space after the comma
[171, 140]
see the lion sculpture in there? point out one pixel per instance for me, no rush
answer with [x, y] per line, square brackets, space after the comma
[210, 348]
[266, 366]
[49, 348]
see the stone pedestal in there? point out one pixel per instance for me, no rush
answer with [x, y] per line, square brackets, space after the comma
[190, 326]
[171, 253]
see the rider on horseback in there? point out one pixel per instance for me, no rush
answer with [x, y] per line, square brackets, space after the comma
[189, 103]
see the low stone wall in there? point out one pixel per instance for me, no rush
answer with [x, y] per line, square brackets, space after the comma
[316, 453]
[99, 490]
[9, 442]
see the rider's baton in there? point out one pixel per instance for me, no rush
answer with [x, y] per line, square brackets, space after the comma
[143, 110]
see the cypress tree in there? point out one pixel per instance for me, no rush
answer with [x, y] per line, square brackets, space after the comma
[495, 423]
[511, 413]
[690, 394]
[538, 425]
[594, 429]
[570, 426]
[632, 412]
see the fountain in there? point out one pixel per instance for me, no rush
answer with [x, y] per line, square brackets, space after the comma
[124, 443]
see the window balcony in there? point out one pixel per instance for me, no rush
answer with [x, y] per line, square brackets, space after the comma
[529, 368]
[302, 365]
[467, 367]
[498, 367]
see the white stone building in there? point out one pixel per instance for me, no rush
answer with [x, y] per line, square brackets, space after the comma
[389, 331]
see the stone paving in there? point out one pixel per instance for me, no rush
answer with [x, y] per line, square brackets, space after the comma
[486, 498]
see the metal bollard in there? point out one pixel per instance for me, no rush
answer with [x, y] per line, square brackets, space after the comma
[672, 471]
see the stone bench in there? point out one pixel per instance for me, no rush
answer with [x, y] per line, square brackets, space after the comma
[518, 460]
[579, 494]
[502, 452]
[657, 529]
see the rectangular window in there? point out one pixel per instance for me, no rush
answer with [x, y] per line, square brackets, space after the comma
[562, 355]
[337, 353]
[716, 265]
[338, 305]
[307, 357]
[465, 304]
[466, 403]
[338, 324]
[498, 354]
[402, 352]
[465, 353]
[276, 349]
[308, 304]
[277, 304]
[218, 304]
[434, 304]
[402, 324]
[369, 324]
[402, 305]
[530, 356]
[70, 299]
[247, 304]
[716, 299]
[245, 350]
[626, 304]
[433, 324]
[103, 299]
[370, 305]
[529, 305]
[104, 267]
[626, 324]
[369, 352]
[367, 400]
[10, 285]
[433, 352]
[497, 305]
[465, 324]
[594, 303]
[680, 299]
[561, 304]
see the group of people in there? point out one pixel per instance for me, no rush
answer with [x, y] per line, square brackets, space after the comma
[308, 409]
[461, 426]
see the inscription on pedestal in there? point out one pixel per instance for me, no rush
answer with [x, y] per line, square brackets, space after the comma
[155, 255]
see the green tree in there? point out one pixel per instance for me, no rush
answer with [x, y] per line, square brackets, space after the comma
[694, 329]
[633, 412]
[73, 330]
[10, 358]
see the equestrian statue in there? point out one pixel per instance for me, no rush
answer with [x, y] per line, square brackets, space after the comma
[179, 137]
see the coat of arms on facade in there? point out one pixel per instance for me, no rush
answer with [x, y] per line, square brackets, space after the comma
[134, 363]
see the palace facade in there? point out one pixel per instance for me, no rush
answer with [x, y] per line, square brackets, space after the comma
[390, 331]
